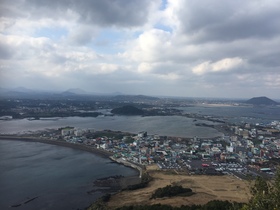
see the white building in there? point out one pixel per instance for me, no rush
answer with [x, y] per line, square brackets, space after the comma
[67, 131]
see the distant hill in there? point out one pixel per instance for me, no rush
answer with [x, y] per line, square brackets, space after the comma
[127, 110]
[261, 101]
[22, 90]
[75, 91]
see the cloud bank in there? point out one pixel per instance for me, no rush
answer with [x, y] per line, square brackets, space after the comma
[180, 48]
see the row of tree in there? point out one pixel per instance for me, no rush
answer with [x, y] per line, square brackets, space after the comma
[170, 191]
[211, 205]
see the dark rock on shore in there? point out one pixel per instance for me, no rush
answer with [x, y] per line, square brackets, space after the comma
[204, 124]
[113, 184]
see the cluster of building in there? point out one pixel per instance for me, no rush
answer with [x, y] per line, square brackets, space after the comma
[255, 143]
[251, 147]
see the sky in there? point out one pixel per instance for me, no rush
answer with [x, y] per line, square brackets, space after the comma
[207, 48]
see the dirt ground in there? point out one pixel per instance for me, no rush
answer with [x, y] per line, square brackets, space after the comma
[206, 188]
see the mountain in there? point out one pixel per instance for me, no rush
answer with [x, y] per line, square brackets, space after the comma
[261, 101]
[75, 91]
[22, 90]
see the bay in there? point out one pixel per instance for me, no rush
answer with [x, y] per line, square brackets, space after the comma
[59, 176]
[162, 125]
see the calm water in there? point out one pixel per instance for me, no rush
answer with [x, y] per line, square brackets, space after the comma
[60, 176]
[162, 125]
[249, 114]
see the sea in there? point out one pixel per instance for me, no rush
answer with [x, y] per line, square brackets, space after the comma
[57, 177]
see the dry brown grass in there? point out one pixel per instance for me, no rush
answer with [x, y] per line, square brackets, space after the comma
[206, 188]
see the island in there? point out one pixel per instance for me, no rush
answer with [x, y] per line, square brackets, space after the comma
[127, 110]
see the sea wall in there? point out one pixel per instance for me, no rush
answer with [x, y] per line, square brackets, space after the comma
[129, 164]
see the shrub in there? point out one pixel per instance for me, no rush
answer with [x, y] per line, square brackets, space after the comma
[170, 191]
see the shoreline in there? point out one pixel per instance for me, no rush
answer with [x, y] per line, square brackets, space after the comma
[109, 189]
[102, 153]
[128, 164]
[85, 148]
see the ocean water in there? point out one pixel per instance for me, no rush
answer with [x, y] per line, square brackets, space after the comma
[59, 176]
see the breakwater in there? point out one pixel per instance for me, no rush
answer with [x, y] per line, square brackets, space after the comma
[129, 164]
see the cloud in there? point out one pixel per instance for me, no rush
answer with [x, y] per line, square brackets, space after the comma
[223, 65]
[150, 46]
[180, 47]
[81, 34]
[103, 13]
[145, 67]
[214, 20]
[5, 51]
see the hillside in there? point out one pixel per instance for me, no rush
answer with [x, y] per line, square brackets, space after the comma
[261, 101]
[75, 91]
[127, 110]
[205, 188]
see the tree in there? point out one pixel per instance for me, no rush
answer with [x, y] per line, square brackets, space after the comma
[169, 191]
[276, 190]
[261, 195]
[265, 195]
[128, 140]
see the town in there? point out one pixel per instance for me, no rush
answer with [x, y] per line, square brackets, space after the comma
[245, 152]
[244, 149]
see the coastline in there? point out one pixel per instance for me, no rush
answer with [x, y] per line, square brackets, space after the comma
[102, 153]
[110, 188]
[128, 164]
